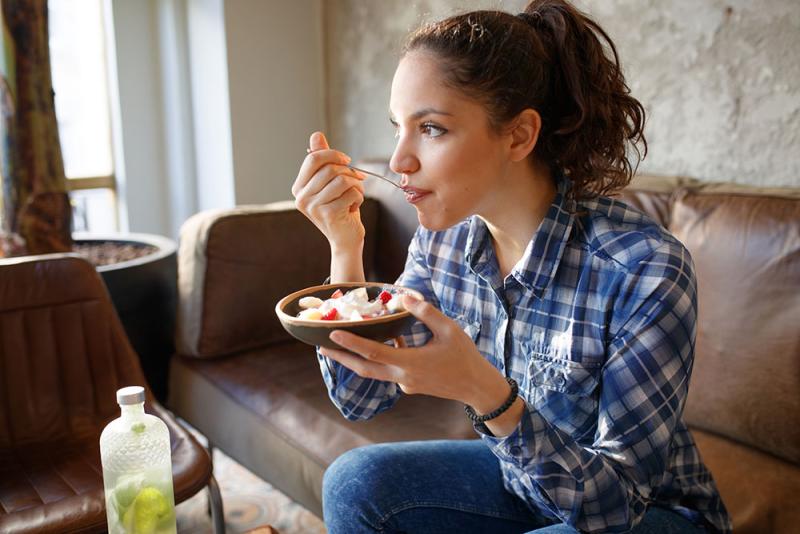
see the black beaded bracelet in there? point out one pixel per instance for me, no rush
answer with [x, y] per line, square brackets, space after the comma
[496, 413]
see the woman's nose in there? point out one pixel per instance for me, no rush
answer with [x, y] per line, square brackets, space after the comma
[403, 160]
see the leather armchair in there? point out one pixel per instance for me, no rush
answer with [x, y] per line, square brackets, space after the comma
[63, 355]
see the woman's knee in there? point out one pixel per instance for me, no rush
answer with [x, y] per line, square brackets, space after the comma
[352, 485]
[341, 474]
[361, 469]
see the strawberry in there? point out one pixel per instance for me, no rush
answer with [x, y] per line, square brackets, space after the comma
[330, 316]
[336, 294]
[385, 296]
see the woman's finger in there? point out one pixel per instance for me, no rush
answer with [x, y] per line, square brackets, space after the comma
[361, 366]
[366, 348]
[436, 321]
[325, 211]
[312, 164]
[331, 180]
[317, 141]
[351, 200]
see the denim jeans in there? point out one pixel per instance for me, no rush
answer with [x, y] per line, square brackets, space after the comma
[441, 487]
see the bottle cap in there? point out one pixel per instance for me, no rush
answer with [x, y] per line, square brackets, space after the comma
[130, 395]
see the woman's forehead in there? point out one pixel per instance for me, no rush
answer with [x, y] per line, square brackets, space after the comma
[419, 85]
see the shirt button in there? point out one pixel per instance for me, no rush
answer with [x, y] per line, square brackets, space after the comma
[515, 450]
[561, 381]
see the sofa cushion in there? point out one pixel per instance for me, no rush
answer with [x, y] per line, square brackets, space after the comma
[757, 488]
[746, 381]
[271, 403]
[233, 269]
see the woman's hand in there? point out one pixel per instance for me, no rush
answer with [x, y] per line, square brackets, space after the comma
[329, 193]
[448, 366]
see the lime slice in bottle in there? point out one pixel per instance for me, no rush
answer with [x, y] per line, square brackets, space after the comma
[149, 510]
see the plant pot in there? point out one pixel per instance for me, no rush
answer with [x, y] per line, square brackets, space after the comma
[144, 292]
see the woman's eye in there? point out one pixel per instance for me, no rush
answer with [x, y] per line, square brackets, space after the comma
[431, 130]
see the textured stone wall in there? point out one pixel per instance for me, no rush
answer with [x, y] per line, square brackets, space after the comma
[720, 79]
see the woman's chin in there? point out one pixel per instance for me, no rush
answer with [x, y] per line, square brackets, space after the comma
[434, 224]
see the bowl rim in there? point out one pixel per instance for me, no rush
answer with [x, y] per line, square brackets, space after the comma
[294, 321]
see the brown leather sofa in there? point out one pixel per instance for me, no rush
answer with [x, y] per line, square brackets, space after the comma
[63, 355]
[258, 394]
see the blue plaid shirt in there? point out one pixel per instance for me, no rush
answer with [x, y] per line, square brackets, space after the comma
[596, 323]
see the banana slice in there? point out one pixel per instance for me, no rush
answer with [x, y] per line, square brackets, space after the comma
[310, 302]
[312, 314]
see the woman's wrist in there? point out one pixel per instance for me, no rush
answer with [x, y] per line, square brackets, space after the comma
[347, 263]
[497, 412]
[488, 393]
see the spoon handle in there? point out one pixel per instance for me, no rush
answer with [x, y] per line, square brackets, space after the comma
[376, 175]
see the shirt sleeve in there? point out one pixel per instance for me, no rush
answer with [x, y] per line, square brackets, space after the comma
[604, 484]
[360, 398]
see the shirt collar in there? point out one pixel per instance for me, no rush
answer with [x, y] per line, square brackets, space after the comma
[543, 254]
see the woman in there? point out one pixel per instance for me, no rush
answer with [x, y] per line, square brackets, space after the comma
[562, 319]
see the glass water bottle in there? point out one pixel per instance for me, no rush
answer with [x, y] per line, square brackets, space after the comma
[137, 469]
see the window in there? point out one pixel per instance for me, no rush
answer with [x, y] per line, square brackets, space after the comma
[80, 82]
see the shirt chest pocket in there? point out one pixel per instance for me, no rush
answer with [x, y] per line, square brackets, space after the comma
[565, 393]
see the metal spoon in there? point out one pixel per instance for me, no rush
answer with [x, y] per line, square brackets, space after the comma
[376, 175]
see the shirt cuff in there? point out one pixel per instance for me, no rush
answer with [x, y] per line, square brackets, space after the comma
[508, 448]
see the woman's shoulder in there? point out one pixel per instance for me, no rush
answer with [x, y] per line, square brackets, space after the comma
[620, 233]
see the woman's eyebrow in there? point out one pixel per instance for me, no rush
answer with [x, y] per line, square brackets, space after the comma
[422, 113]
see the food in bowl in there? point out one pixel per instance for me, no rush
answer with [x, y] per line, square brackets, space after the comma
[317, 331]
[353, 305]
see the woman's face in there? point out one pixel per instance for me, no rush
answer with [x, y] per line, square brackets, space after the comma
[447, 153]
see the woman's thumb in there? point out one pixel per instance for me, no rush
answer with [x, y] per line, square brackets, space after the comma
[317, 142]
[423, 311]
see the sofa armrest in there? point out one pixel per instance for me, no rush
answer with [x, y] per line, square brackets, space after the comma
[233, 267]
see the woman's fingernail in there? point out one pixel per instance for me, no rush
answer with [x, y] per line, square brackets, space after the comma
[335, 336]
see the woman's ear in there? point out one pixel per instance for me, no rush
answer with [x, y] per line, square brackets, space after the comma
[524, 134]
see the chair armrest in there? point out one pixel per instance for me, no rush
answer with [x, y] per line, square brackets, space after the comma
[233, 267]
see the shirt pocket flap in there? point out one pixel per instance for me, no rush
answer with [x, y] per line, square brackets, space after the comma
[564, 376]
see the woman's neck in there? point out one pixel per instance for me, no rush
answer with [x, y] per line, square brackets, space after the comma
[517, 211]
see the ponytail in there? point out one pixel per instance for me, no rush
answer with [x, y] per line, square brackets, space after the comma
[549, 58]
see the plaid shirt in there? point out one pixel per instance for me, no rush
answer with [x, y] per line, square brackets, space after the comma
[596, 323]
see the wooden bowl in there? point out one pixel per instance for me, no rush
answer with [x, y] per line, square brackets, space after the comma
[316, 332]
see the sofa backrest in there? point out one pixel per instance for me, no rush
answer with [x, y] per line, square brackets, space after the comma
[745, 243]
[654, 195]
[233, 268]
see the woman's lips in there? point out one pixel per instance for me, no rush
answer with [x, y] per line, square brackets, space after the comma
[414, 195]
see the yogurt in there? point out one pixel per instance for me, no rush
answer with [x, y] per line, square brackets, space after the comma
[351, 306]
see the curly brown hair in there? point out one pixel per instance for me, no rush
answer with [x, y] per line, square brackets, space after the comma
[550, 58]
